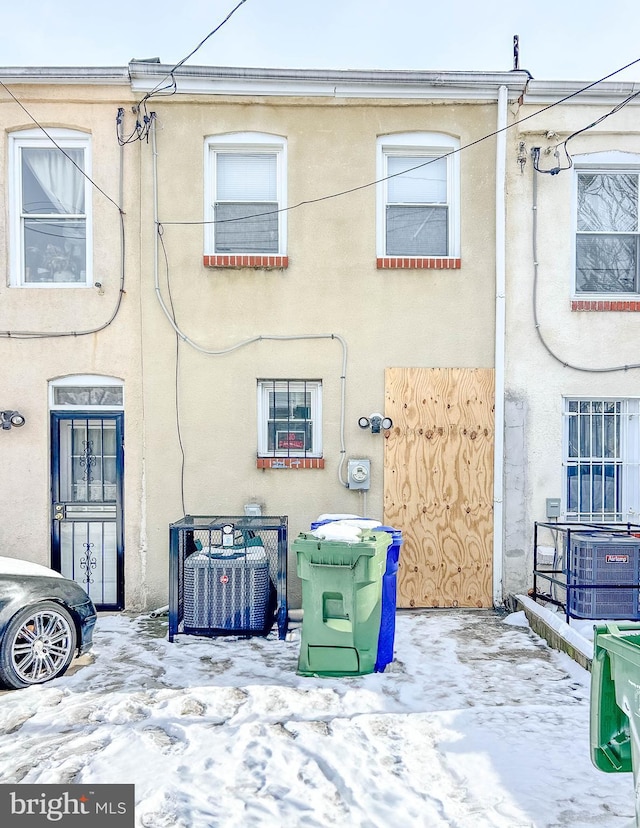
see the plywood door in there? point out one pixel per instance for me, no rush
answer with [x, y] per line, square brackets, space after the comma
[438, 483]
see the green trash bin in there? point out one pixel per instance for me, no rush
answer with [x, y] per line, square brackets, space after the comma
[342, 603]
[615, 701]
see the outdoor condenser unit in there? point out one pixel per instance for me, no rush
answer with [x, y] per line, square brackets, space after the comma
[225, 592]
[604, 559]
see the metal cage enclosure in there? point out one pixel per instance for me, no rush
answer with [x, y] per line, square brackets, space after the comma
[227, 575]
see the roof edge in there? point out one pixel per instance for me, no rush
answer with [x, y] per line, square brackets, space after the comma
[65, 74]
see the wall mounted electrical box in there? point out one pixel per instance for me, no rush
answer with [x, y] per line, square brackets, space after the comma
[359, 474]
[553, 507]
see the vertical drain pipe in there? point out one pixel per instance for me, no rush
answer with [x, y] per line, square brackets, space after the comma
[499, 359]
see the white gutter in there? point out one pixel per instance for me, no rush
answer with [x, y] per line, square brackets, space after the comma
[215, 80]
[499, 360]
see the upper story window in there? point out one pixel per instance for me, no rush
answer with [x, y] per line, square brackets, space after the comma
[289, 418]
[418, 200]
[50, 204]
[607, 233]
[245, 192]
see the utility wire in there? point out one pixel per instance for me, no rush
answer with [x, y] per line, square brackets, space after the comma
[121, 213]
[141, 130]
[534, 235]
[431, 160]
[58, 147]
[558, 168]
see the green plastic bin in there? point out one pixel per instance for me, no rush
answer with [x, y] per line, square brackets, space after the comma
[615, 701]
[342, 603]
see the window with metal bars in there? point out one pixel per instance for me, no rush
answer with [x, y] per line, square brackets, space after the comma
[289, 418]
[601, 460]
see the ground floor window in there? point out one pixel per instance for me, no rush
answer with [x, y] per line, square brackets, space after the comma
[601, 460]
[289, 418]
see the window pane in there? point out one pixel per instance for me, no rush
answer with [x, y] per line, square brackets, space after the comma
[573, 436]
[51, 183]
[572, 489]
[97, 395]
[606, 264]
[425, 185]
[608, 202]
[292, 404]
[417, 231]
[246, 228]
[585, 488]
[246, 177]
[610, 436]
[585, 437]
[596, 435]
[55, 251]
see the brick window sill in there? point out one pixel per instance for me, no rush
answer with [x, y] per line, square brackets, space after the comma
[402, 263]
[263, 262]
[605, 305]
[290, 462]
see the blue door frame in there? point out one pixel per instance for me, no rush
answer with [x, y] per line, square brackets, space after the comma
[87, 520]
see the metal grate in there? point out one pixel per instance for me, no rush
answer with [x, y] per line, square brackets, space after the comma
[228, 575]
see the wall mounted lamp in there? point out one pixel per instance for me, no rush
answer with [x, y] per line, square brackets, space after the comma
[375, 422]
[11, 418]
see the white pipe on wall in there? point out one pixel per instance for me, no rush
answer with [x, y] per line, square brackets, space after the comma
[499, 360]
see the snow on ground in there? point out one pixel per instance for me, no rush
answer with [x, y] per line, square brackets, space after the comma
[477, 724]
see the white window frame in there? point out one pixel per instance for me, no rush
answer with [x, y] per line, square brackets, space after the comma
[628, 460]
[35, 138]
[84, 381]
[601, 162]
[424, 146]
[244, 142]
[314, 388]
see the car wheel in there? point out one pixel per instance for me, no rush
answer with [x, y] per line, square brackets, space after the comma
[38, 645]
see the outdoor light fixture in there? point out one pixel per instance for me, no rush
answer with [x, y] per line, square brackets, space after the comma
[376, 422]
[11, 418]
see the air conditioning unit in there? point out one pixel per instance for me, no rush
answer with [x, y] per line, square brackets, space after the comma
[601, 558]
[226, 592]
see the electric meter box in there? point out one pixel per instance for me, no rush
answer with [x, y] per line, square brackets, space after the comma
[359, 474]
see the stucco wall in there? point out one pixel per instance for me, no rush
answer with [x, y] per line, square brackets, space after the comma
[435, 318]
[404, 318]
[29, 364]
[587, 339]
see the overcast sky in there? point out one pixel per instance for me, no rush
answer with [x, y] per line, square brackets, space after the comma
[564, 40]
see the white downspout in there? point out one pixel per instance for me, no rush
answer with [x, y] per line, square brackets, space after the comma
[498, 457]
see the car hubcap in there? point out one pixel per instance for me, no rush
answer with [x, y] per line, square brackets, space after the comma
[42, 646]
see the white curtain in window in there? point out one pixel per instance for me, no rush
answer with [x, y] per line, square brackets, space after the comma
[246, 177]
[425, 185]
[61, 182]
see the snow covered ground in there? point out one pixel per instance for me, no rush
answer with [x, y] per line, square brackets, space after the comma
[477, 724]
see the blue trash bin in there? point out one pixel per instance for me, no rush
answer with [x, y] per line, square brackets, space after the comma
[387, 632]
[389, 588]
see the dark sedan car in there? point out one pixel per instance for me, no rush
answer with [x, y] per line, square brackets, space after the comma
[44, 620]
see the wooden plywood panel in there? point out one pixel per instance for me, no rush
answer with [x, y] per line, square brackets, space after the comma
[438, 482]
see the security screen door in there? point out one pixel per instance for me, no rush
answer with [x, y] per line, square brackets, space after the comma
[87, 485]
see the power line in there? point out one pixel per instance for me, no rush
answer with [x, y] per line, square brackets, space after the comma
[121, 214]
[58, 147]
[141, 130]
